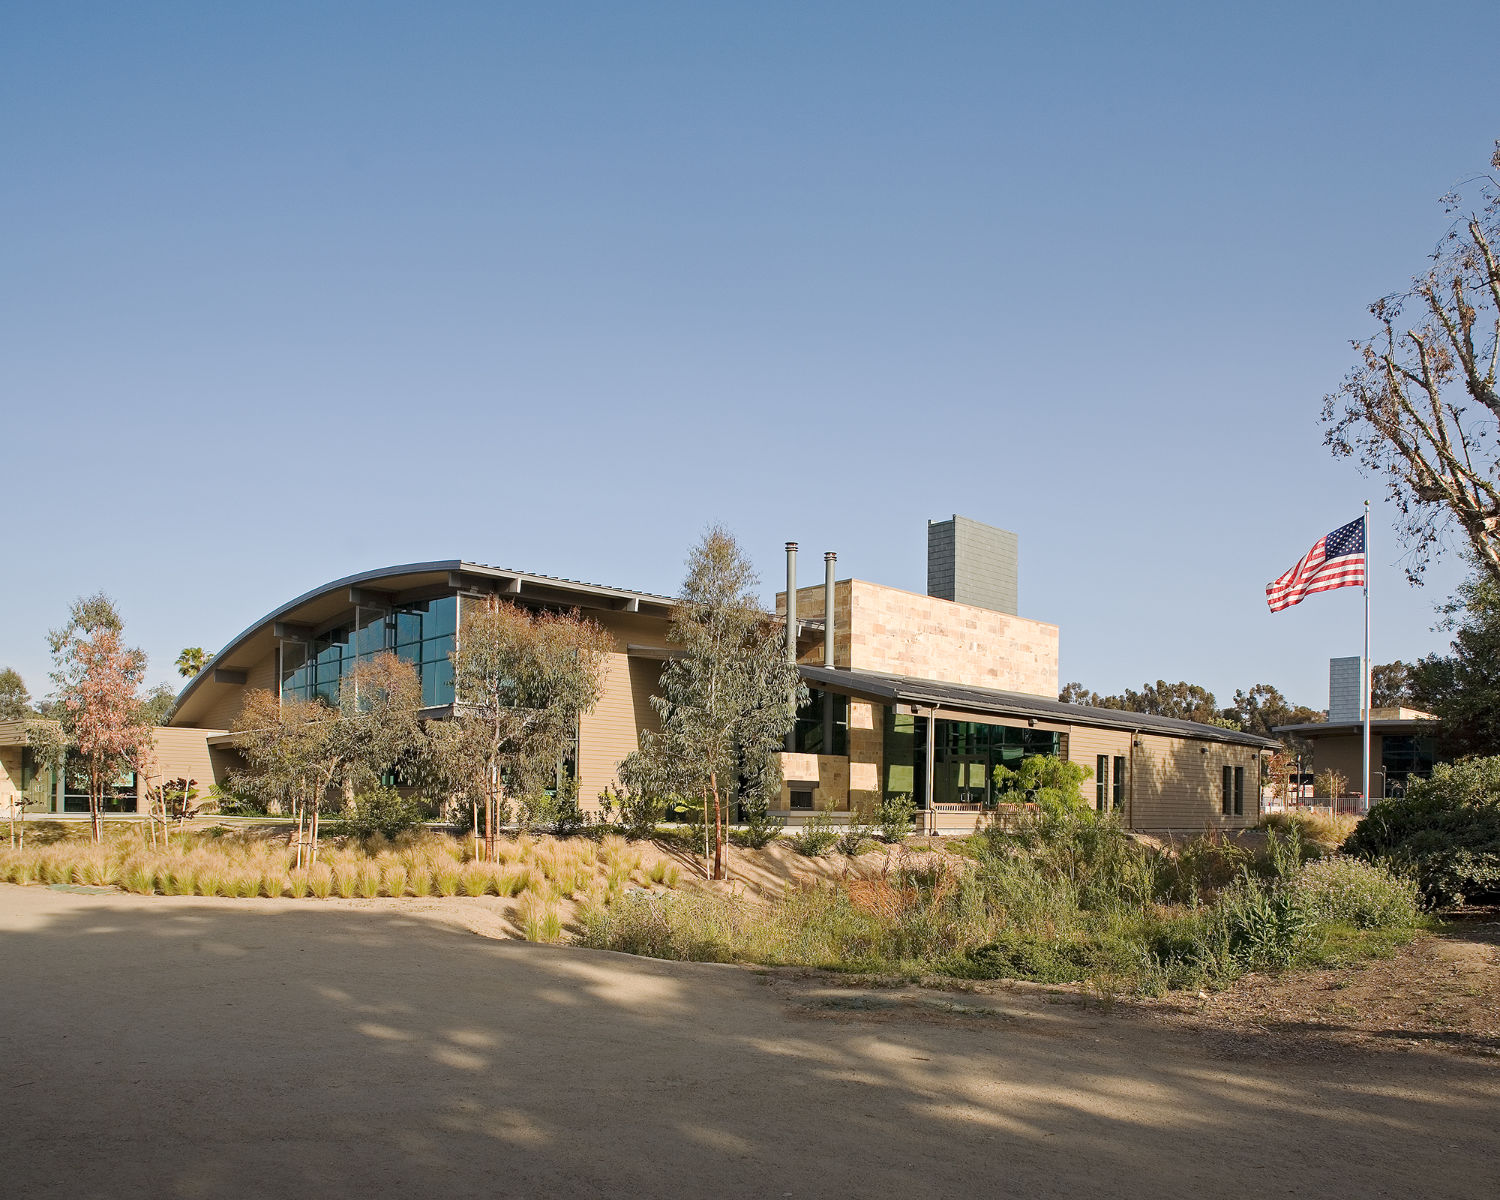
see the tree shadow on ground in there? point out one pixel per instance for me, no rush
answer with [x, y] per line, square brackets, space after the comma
[200, 1049]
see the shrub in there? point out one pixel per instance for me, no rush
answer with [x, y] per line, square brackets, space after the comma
[1197, 869]
[384, 811]
[635, 812]
[1349, 891]
[855, 836]
[817, 837]
[320, 880]
[1027, 954]
[536, 812]
[1042, 779]
[760, 827]
[894, 820]
[1263, 926]
[1445, 831]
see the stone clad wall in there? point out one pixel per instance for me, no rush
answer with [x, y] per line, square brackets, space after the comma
[886, 629]
[903, 633]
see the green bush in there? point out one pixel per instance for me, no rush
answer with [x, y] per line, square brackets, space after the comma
[760, 827]
[893, 822]
[817, 837]
[1340, 890]
[1042, 779]
[568, 818]
[1027, 954]
[1196, 870]
[637, 813]
[384, 811]
[1263, 925]
[1445, 831]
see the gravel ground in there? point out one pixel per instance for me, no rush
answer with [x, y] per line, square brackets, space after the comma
[184, 1047]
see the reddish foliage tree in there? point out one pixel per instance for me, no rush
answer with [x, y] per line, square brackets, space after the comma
[98, 681]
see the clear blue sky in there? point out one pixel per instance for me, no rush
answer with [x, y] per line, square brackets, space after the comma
[289, 291]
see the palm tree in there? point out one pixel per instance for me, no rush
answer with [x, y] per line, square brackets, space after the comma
[191, 661]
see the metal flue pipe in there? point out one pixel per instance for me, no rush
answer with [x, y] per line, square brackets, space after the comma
[791, 602]
[829, 561]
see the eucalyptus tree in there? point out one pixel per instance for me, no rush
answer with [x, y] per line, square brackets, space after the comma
[301, 750]
[15, 700]
[1422, 407]
[522, 680]
[97, 680]
[728, 698]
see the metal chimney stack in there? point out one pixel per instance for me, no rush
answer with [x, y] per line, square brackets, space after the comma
[791, 602]
[829, 561]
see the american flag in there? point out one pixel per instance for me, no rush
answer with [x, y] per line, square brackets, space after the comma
[1336, 560]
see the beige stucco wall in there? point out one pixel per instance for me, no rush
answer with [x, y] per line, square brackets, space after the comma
[896, 632]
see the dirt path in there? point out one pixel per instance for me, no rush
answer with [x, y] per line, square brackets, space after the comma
[193, 1048]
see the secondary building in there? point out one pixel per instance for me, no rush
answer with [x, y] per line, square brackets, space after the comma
[911, 694]
[1404, 743]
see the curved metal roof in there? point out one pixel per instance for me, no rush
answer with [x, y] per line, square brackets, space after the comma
[519, 584]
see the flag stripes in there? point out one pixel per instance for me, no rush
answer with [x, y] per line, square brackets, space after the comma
[1336, 560]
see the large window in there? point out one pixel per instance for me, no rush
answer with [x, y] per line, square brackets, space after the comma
[1101, 782]
[1226, 800]
[421, 634]
[822, 724]
[1119, 783]
[119, 794]
[1403, 756]
[966, 754]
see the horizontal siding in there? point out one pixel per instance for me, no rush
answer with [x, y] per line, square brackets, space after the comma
[611, 730]
[184, 754]
[225, 709]
[1178, 784]
[1084, 747]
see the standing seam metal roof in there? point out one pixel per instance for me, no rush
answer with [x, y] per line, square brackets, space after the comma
[899, 688]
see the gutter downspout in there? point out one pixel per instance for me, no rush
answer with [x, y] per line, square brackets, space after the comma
[1130, 798]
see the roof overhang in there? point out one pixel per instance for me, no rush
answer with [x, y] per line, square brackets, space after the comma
[327, 605]
[1317, 729]
[932, 694]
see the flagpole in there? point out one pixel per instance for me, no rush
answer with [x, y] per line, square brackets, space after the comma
[1365, 788]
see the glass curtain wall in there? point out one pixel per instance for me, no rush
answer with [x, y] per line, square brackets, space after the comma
[421, 634]
[1405, 755]
[965, 756]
